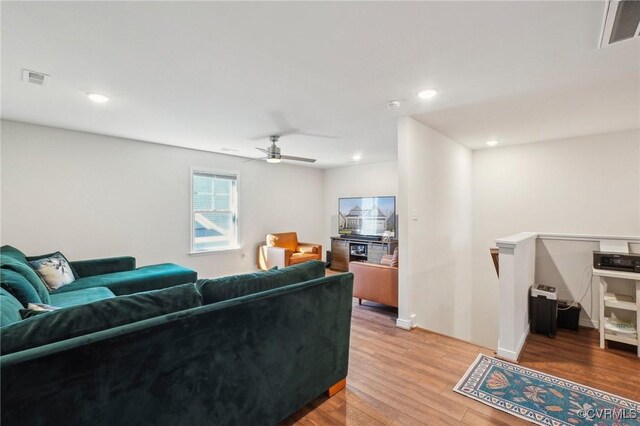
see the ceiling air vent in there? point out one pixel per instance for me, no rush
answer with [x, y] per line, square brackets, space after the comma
[621, 21]
[35, 77]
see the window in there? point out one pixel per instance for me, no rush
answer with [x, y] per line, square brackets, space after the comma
[214, 207]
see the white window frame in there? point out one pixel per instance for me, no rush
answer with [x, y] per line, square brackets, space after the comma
[203, 170]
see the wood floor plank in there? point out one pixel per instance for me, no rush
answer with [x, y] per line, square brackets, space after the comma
[476, 418]
[371, 406]
[413, 389]
[338, 408]
[398, 377]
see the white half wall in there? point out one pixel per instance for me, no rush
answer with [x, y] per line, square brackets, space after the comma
[582, 185]
[517, 271]
[364, 180]
[91, 196]
[435, 215]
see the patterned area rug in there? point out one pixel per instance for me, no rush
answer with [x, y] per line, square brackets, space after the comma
[543, 399]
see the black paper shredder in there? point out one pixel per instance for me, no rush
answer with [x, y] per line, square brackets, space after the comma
[543, 310]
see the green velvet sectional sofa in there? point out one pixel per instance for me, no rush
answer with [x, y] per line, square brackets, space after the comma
[97, 279]
[246, 349]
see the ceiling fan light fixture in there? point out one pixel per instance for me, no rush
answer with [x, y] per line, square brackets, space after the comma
[428, 93]
[273, 153]
[98, 98]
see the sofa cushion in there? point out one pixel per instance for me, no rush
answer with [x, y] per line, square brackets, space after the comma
[142, 279]
[54, 269]
[224, 288]
[19, 287]
[307, 249]
[66, 323]
[22, 267]
[9, 309]
[12, 252]
[302, 257]
[80, 297]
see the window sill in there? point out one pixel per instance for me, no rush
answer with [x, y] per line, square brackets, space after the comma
[220, 250]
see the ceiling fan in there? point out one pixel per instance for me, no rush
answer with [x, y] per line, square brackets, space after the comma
[274, 156]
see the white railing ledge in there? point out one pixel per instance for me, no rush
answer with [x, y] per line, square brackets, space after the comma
[586, 237]
[514, 240]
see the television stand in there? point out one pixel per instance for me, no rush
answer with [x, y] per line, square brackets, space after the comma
[355, 248]
[362, 237]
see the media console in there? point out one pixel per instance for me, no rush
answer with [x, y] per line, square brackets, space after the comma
[349, 249]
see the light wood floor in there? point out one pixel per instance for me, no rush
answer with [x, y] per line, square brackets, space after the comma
[406, 378]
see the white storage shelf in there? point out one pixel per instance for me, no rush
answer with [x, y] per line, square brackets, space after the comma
[621, 339]
[618, 301]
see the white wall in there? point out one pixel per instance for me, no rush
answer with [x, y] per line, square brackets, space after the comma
[582, 185]
[90, 196]
[566, 265]
[435, 230]
[354, 181]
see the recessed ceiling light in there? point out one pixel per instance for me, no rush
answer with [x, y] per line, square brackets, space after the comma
[428, 93]
[492, 143]
[393, 104]
[357, 157]
[98, 97]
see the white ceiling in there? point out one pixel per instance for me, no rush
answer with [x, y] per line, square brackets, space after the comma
[215, 75]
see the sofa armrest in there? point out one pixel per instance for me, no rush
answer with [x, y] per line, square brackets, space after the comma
[310, 248]
[91, 267]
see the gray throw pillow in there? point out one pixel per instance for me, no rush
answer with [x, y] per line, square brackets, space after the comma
[54, 270]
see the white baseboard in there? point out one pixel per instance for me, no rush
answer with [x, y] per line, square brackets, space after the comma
[586, 322]
[523, 339]
[513, 355]
[406, 324]
[507, 354]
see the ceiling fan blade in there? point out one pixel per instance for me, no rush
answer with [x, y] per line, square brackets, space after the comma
[289, 157]
[263, 150]
[254, 159]
[292, 131]
[278, 119]
[284, 132]
[317, 135]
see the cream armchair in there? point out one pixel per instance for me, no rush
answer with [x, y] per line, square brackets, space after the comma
[284, 249]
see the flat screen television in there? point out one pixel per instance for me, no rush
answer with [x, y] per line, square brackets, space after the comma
[367, 216]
